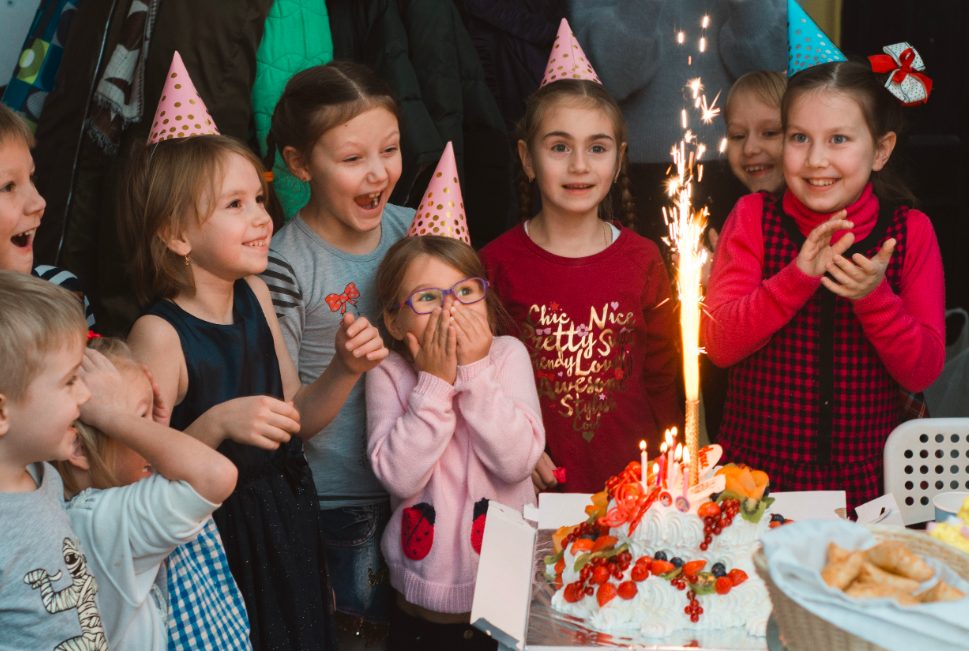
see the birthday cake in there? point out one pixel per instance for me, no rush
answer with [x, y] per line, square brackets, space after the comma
[655, 559]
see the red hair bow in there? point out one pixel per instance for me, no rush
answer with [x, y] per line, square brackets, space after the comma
[91, 334]
[906, 81]
[340, 301]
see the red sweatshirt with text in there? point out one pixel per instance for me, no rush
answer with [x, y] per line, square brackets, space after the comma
[600, 331]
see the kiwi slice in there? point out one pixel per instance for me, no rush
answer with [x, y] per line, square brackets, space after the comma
[753, 510]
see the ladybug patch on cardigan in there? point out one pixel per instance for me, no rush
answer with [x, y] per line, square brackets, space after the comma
[478, 524]
[417, 531]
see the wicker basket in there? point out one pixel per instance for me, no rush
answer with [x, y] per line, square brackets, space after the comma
[804, 631]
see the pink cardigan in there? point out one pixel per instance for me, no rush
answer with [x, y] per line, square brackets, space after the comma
[744, 310]
[440, 451]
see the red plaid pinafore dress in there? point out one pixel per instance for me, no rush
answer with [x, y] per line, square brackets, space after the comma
[814, 406]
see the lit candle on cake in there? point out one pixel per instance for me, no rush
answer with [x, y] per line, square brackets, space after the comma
[670, 439]
[686, 470]
[644, 462]
[656, 472]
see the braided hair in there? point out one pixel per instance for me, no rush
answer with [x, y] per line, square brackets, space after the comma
[587, 94]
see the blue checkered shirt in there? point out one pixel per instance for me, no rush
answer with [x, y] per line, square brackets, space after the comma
[205, 607]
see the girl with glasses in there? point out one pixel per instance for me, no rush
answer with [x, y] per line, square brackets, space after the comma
[453, 421]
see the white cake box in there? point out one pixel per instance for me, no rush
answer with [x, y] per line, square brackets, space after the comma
[512, 600]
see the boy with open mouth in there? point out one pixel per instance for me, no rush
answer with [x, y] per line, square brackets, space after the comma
[22, 207]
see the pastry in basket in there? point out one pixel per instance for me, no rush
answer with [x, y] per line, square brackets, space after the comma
[889, 569]
[641, 563]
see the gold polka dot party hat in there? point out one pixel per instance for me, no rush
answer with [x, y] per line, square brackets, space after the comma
[442, 209]
[567, 60]
[181, 112]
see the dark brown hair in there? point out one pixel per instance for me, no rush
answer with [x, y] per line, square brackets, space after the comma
[882, 112]
[585, 94]
[320, 98]
[14, 126]
[166, 183]
[452, 252]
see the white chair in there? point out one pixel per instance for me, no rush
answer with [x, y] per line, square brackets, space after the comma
[923, 458]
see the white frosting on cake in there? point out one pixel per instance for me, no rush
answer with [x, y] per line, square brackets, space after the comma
[658, 607]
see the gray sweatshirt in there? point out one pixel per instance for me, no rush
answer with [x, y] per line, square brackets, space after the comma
[632, 44]
[309, 280]
[48, 595]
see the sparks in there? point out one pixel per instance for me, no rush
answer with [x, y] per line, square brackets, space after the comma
[708, 112]
[723, 145]
[703, 44]
[695, 87]
[683, 117]
[680, 38]
[706, 22]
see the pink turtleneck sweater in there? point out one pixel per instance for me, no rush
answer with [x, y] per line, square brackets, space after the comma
[744, 310]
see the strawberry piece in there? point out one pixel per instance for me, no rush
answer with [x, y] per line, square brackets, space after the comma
[628, 590]
[581, 545]
[558, 581]
[691, 568]
[661, 567]
[604, 543]
[710, 509]
[723, 585]
[417, 531]
[478, 524]
[600, 575]
[573, 592]
[640, 572]
[560, 566]
[606, 593]
[737, 576]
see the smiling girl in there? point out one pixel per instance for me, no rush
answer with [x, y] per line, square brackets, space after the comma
[336, 127]
[826, 299]
[590, 298]
[198, 232]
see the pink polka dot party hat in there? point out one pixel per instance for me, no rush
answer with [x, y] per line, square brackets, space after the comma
[442, 209]
[567, 60]
[181, 112]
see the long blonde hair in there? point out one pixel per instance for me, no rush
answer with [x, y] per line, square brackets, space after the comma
[94, 442]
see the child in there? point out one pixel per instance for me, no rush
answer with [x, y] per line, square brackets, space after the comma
[752, 112]
[817, 359]
[196, 226]
[590, 299]
[21, 208]
[336, 127]
[453, 421]
[136, 497]
[48, 596]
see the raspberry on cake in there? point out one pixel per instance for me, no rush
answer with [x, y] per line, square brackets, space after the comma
[636, 564]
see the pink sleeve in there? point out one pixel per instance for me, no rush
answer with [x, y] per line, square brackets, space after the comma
[743, 311]
[406, 439]
[499, 403]
[908, 330]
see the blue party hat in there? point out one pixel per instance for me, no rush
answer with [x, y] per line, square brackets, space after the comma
[807, 45]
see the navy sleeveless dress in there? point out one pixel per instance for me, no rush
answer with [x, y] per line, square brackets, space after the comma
[270, 524]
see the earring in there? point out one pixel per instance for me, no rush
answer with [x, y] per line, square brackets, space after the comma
[187, 261]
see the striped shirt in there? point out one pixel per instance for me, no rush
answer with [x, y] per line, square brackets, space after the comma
[68, 281]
